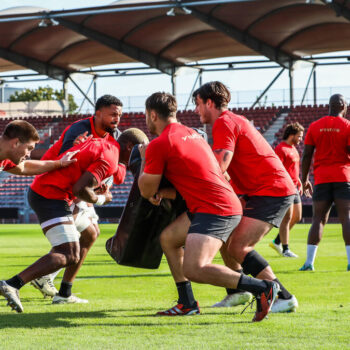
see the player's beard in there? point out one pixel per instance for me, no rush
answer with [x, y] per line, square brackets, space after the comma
[110, 129]
[205, 117]
[151, 127]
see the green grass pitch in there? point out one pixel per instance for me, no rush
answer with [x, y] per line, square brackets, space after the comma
[123, 301]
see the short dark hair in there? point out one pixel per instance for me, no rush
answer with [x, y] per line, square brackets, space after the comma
[292, 129]
[133, 135]
[163, 103]
[106, 101]
[22, 130]
[214, 90]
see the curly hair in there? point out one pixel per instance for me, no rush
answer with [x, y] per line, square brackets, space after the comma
[292, 129]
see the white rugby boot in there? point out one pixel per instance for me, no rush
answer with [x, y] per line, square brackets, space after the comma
[45, 285]
[11, 294]
[285, 305]
[235, 299]
[73, 299]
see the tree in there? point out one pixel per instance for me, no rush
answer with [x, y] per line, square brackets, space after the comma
[43, 94]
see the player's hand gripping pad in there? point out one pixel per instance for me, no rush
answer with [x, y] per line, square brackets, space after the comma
[136, 242]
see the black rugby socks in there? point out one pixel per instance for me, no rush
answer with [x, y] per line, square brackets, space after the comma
[65, 289]
[277, 239]
[185, 292]
[15, 282]
[283, 293]
[251, 284]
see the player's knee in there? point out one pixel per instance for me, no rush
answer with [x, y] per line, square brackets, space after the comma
[94, 233]
[236, 251]
[72, 259]
[166, 239]
[192, 272]
[97, 230]
[287, 217]
[297, 217]
[73, 256]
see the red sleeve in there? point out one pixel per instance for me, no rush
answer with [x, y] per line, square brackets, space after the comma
[7, 164]
[100, 169]
[308, 138]
[280, 153]
[224, 137]
[119, 176]
[348, 134]
[155, 157]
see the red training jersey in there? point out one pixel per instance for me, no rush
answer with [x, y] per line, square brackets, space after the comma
[6, 164]
[186, 160]
[290, 158]
[74, 130]
[330, 136]
[255, 169]
[97, 156]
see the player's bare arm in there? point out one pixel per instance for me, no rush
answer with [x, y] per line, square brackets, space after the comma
[224, 158]
[36, 167]
[305, 167]
[148, 183]
[84, 190]
[168, 193]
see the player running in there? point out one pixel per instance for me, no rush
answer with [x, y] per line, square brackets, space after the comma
[257, 173]
[187, 161]
[50, 195]
[108, 111]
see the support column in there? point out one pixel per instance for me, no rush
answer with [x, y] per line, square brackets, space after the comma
[2, 85]
[173, 84]
[95, 89]
[291, 86]
[65, 97]
[315, 87]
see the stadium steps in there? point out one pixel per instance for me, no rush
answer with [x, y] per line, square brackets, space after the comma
[275, 127]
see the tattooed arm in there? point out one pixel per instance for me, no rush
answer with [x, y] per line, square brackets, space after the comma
[224, 158]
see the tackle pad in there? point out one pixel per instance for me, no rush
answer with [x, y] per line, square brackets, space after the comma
[136, 241]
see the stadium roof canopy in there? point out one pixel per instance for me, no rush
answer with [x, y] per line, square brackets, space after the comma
[168, 34]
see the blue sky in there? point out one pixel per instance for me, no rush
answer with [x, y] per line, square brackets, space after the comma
[328, 78]
[54, 5]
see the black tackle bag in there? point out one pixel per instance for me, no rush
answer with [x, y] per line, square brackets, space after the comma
[136, 242]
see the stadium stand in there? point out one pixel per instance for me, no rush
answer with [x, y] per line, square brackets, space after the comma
[13, 188]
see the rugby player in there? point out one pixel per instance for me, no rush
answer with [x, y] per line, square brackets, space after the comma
[16, 143]
[50, 195]
[255, 172]
[187, 161]
[108, 111]
[329, 139]
[289, 155]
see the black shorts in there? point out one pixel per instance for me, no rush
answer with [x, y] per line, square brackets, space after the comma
[331, 190]
[216, 226]
[267, 208]
[47, 209]
[297, 198]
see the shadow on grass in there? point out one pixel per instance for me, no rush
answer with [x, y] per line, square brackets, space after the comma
[75, 319]
[126, 276]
